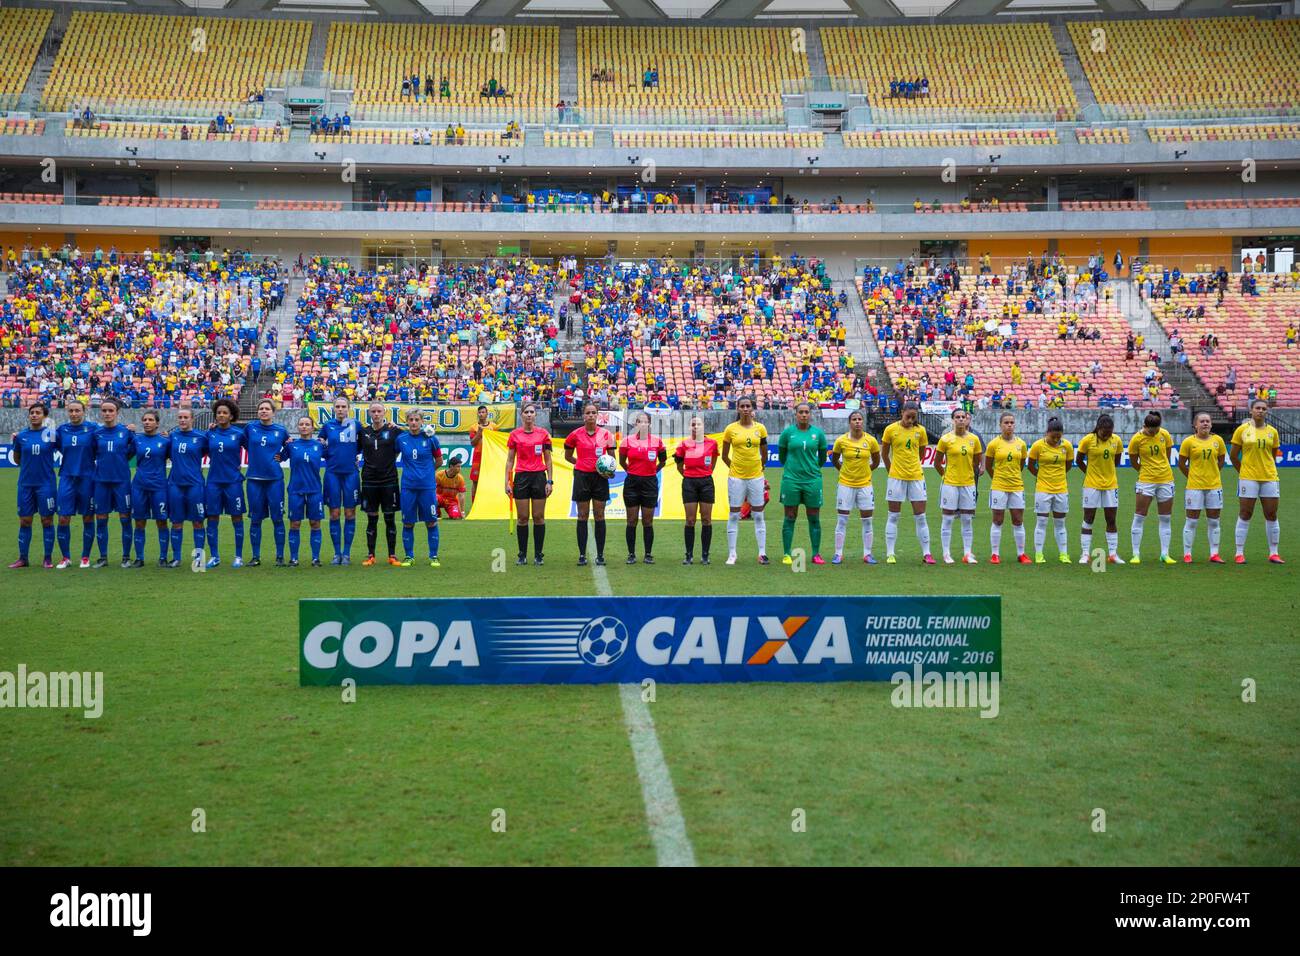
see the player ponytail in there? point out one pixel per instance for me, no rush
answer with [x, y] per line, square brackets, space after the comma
[1054, 425]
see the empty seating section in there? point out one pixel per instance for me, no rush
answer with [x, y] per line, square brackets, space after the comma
[718, 71]
[375, 136]
[33, 199]
[925, 328]
[130, 130]
[301, 205]
[942, 138]
[22, 127]
[692, 337]
[1102, 134]
[1216, 67]
[525, 60]
[971, 68]
[572, 139]
[1284, 202]
[450, 333]
[152, 329]
[21, 33]
[1251, 333]
[690, 139]
[976, 207]
[1123, 205]
[157, 202]
[1198, 134]
[131, 58]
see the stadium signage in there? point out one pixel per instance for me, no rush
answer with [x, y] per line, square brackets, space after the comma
[592, 640]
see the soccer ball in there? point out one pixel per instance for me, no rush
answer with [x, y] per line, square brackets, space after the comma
[429, 430]
[603, 641]
[606, 466]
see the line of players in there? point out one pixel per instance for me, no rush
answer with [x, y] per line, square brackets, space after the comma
[95, 481]
[960, 459]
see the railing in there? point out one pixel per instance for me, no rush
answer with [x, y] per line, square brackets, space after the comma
[151, 110]
[500, 110]
[1189, 264]
[285, 78]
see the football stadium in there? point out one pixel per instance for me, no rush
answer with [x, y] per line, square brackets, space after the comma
[637, 432]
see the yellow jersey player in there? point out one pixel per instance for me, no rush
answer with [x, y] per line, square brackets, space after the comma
[1050, 459]
[1148, 452]
[855, 455]
[901, 446]
[1097, 456]
[1255, 447]
[959, 459]
[744, 452]
[1200, 459]
[1005, 460]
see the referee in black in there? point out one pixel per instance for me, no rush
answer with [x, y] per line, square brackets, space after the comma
[379, 487]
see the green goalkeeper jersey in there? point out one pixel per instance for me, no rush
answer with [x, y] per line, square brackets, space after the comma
[802, 451]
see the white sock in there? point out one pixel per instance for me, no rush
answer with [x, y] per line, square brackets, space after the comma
[922, 532]
[1085, 539]
[1040, 533]
[1018, 532]
[733, 531]
[760, 531]
[1166, 532]
[891, 532]
[1112, 542]
[1212, 526]
[967, 532]
[1243, 529]
[868, 535]
[945, 534]
[995, 539]
[1273, 531]
[1189, 534]
[1135, 533]
[1062, 541]
[841, 526]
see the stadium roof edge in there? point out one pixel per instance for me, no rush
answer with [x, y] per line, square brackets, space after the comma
[647, 13]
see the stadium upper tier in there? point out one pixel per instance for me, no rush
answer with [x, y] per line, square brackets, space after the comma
[967, 68]
[140, 58]
[21, 32]
[1248, 325]
[476, 61]
[641, 71]
[162, 330]
[1216, 67]
[1056, 340]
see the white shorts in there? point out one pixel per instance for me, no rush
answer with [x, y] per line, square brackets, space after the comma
[1002, 500]
[957, 498]
[1163, 491]
[849, 499]
[1058, 503]
[740, 490]
[899, 490]
[1195, 499]
[1100, 498]
[1257, 489]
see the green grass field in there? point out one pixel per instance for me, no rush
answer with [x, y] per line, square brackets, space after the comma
[1121, 691]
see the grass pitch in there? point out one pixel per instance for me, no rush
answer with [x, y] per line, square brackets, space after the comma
[1121, 691]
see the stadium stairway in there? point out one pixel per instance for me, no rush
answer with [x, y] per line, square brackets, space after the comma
[1074, 69]
[1141, 319]
[568, 64]
[316, 46]
[44, 65]
[816, 53]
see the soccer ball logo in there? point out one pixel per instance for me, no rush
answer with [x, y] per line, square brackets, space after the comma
[603, 641]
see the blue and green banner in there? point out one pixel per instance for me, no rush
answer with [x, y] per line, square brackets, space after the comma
[595, 640]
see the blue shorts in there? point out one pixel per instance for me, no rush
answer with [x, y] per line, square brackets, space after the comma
[148, 503]
[185, 502]
[342, 490]
[225, 498]
[36, 498]
[112, 496]
[265, 499]
[309, 503]
[76, 495]
[419, 504]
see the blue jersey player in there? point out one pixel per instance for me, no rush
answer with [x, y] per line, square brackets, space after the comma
[34, 450]
[149, 487]
[342, 480]
[306, 455]
[113, 445]
[185, 485]
[225, 492]
[266, 441]
[421, 454]
[76, 482]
